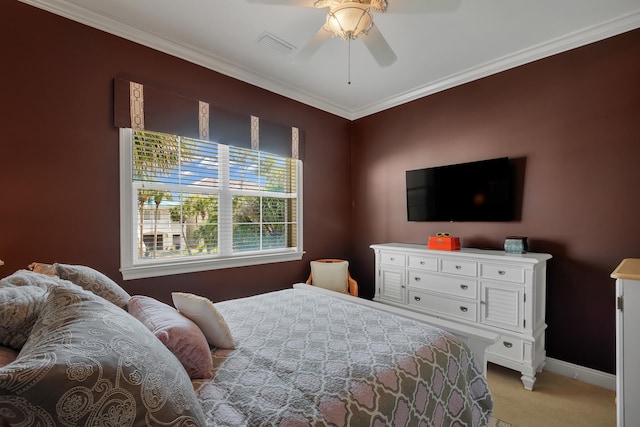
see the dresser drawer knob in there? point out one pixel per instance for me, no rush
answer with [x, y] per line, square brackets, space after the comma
[507, 344]
[458, 267]
[502, 272]
[392, 259]
[464, 287]
[417, 279]
[463, 309]
[421, 262]
[416, 298]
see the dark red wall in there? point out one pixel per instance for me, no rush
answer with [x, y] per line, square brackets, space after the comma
[59, 156]
[573, 123]
[572, 120]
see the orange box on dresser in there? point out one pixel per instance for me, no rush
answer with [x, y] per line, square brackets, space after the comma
[444, 243]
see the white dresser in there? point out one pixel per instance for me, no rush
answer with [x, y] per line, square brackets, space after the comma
[627, 276]
[490, 290]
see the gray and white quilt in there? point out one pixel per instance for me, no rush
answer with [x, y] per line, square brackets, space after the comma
[304, 358]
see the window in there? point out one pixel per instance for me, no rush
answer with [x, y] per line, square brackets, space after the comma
[223, 206]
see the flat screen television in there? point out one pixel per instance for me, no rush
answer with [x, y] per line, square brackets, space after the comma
[474, 191]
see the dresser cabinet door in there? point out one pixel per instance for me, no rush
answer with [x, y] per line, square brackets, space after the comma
[392, 285]
[502, 305]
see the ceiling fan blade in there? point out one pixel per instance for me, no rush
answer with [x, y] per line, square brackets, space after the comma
[379, 48]
[423, 6]
[300, 3]
[306, 52]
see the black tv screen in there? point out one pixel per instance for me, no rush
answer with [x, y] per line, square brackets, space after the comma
[475, 191]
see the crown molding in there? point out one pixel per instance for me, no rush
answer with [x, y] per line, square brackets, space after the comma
[189, 53]
[565, 43]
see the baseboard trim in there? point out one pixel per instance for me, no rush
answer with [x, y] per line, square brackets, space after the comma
[580, 373]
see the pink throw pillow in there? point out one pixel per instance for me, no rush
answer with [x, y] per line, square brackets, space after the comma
[179, 334]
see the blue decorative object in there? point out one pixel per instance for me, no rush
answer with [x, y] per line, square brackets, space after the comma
[515, 244]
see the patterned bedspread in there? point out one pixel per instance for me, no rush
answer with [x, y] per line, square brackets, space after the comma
[305, 358]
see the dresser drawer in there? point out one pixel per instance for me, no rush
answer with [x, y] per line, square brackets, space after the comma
[441, 305]
[423, 262]
[509, 273]
[509, 348]
[456, 286]
[392, 258]
[454, 266]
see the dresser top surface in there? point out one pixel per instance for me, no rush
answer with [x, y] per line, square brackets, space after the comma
[531, 257]
[629, 268]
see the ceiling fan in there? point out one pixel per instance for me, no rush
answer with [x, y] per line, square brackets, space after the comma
[351, 19]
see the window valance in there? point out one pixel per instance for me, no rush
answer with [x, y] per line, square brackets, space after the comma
[144, 107]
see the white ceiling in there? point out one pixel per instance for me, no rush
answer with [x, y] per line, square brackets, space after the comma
[436, 49]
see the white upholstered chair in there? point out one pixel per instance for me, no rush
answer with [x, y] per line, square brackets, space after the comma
[332, 274]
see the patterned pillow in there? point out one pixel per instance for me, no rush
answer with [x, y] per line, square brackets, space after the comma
[204, 314]
[30, 278]
[94, 281]
[88, 362]
[180, 335]
[21, 295]
[19, 310]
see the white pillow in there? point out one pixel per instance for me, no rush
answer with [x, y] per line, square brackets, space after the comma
[202, 312]
[330, 275]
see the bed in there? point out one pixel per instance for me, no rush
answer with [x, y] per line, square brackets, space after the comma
[302, 356]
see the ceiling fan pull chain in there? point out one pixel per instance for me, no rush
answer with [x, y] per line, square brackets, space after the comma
[349, 62]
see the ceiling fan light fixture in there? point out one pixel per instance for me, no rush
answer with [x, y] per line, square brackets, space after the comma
[349, 20]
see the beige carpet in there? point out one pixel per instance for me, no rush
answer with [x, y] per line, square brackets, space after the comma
[499, 423]
[555, 401]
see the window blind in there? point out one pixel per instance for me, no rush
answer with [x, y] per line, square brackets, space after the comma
[197, 198]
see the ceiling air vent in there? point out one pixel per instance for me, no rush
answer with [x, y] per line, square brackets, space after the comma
[274, 43]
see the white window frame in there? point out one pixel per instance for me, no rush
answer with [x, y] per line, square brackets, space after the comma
[132, 269]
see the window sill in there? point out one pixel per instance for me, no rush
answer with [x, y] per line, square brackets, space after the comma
[166, 268]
